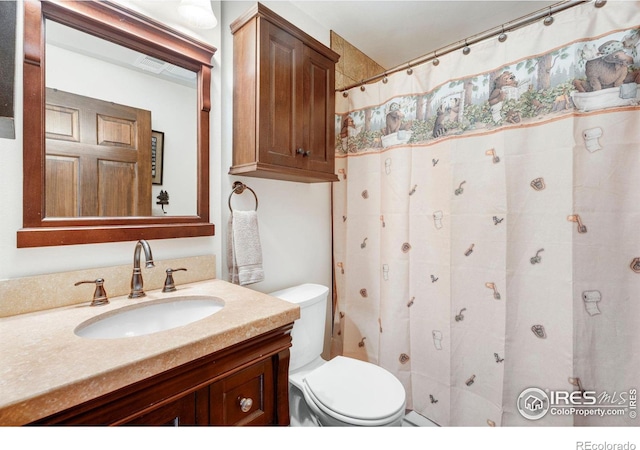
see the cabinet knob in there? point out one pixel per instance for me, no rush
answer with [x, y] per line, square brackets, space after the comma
[303, 152]
[245, 404]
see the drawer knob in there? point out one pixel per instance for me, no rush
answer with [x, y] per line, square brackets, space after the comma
[245, 404]
[303, 152]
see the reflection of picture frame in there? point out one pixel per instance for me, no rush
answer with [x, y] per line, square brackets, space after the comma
[7, 68]
[157, 156]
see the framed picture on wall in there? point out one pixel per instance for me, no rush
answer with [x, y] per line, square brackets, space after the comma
[157, 156]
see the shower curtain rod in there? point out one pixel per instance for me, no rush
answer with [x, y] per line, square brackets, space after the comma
[508, 26]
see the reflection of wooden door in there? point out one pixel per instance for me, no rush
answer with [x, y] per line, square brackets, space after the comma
[98, 157]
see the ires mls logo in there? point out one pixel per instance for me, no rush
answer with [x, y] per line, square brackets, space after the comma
[534, 403]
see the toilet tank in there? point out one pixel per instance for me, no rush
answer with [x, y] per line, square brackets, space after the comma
[307, 335]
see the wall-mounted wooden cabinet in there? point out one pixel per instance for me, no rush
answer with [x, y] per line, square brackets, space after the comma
[283, 100]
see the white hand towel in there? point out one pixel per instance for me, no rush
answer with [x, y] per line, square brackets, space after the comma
[244, 252]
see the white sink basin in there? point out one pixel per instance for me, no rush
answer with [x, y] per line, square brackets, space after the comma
[150, 317]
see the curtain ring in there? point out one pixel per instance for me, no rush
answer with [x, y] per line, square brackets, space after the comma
[503, 36]
[385, 80]
[549, 19]
[409, 69]
[466, 50]
[600, 3]
[436, 61]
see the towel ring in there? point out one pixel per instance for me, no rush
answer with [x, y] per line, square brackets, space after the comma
[238, 188]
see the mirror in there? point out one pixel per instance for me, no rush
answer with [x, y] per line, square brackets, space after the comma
[93, 160]
[171, 141]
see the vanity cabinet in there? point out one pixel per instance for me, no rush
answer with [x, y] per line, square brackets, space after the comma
[245, 384]
[283, 100]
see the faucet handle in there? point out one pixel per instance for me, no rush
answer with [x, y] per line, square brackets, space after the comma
[99, 295]
[169, 285]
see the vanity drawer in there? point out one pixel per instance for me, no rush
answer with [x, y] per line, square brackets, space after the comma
[244, 398]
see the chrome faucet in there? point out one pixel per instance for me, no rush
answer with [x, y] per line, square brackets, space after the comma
[136, 277]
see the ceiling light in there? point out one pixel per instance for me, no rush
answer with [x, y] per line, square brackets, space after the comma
[198, 13]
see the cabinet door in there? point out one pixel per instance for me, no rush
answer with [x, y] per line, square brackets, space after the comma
[280, 96]
[318, 111]
[244, 398]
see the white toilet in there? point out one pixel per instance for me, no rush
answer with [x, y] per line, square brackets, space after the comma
[340, 392]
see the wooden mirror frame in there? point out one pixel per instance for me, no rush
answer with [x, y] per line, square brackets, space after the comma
[122, 26]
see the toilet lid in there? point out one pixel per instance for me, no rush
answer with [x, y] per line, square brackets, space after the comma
[356, 389]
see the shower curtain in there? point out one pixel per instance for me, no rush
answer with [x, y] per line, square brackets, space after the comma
[487, 226]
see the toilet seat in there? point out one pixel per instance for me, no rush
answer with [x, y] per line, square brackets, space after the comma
[355, 392]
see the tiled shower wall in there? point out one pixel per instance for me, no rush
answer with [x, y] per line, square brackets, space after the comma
[353, 66]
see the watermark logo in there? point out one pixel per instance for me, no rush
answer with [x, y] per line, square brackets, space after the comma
[589, 445]
[535, 403]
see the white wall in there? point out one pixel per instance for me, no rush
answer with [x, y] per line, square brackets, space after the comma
[295, 218]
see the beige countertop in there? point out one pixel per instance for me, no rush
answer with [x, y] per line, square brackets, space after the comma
[45, 368]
